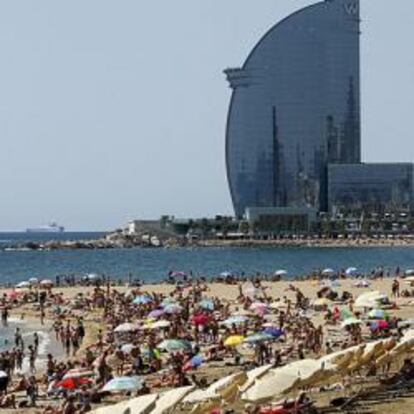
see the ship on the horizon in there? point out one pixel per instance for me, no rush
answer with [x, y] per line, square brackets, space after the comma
[50, 228]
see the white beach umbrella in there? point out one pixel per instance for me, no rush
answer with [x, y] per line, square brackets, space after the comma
[33, 280]
[328, 272]
[46, 283]
[351, 271]
[23, 285]
[409, 272]
[120, 384]
[281, 272]
[217, 390]
[168, 401]
[254, 375]
[119, 408]
[126, 327]
[273, 384]
[160, 325]
[140, 405]
[370, 299]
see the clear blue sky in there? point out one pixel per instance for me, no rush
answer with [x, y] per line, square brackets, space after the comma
[112, 110]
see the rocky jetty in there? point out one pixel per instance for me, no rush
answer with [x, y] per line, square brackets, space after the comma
[115, 240]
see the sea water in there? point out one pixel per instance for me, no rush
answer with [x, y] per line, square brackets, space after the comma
[153, 265]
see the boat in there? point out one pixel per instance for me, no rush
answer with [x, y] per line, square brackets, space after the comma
[49, 228]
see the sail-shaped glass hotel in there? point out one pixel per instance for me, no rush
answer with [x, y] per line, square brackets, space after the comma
[295, 108]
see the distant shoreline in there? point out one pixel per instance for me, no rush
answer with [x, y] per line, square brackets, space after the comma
[116, 241]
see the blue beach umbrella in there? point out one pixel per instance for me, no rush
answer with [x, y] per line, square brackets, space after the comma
[274, 332]
[236, 320]
[173, 308]
[207, 304]
[168, 301]
[378, 314]
[175, 345]
[123, 384]
[259, 337]
[142, 300]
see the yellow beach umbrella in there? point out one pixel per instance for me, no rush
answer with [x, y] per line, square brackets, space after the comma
[234, 340]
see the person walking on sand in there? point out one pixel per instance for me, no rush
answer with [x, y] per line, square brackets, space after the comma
[396, 288]
[18, 338]
[32, 358]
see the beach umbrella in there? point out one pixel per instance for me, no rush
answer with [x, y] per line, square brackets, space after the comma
[328, 272]
[200, 320]
[350, 321]
[370, 299]
[258, 337]
[156, 313]
[160, 325]
[236, 320]
[253, 375]
[73, 383]
[234, 340]
[168, 401]
[142, 300]
[273, 384]
[127, 348]
[140, 405]
[93, 276]
[175, 345]
[78, 373]
[194, 363]
[46, 283]
[120, 384]
[409, 272]
[207, 304]
[173, 309]
[274, 332]
[13, 294]
[281, 272]
[33, 280]
[223, 389]
[23, 285]
[168, 301]
[3, 374]
[378, 314]
[179, 275]
[226, 274]
[126, 327]
[351, 271]
[259, 306]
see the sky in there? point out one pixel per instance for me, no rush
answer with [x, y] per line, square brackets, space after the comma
[116, 110]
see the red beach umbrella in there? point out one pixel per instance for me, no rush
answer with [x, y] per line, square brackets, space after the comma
[201, 319]
[73, 383]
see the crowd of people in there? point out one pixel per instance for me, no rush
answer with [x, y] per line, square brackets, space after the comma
[165, 339]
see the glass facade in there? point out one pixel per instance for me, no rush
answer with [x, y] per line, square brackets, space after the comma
[371, 188]
[295, 107]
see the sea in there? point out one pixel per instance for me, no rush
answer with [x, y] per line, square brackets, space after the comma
[152, 265]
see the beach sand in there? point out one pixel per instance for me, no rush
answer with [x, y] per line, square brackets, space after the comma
[376, 403]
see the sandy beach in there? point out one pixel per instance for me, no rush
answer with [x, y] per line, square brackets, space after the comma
[227, 294]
